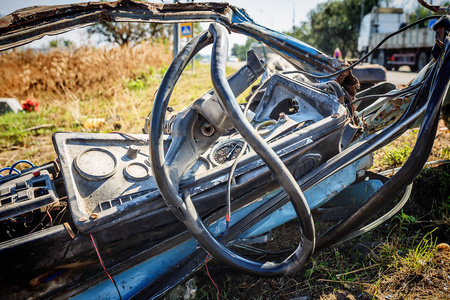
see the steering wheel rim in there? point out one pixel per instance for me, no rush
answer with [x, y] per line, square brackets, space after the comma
[183, 208]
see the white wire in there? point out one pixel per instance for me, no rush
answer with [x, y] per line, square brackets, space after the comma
[385, 217]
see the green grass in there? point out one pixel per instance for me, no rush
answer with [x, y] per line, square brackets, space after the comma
[445, 153]
[420, 257]
[24, 135]
[396, 156]
[15, 129]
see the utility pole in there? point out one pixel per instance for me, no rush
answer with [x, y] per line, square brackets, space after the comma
[176, 37]
[362, 11]
[293, 17]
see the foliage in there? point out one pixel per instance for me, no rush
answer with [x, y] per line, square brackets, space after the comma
[60, 43]
[334, 24]
[398, 155]
[404, 219]
[445, 153]
[129, 33]
[421, 12]
[241, 50]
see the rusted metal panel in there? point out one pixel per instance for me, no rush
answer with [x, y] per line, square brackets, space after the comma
[29, 24]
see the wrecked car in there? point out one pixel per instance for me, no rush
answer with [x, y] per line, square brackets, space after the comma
[147, 210]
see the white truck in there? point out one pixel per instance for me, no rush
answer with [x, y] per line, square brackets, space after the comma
[411, 47]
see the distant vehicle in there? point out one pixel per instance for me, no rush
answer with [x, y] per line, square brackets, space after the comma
[411, 48]
[233, 58]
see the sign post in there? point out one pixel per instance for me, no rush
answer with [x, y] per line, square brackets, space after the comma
[187, 31]
[176, 39]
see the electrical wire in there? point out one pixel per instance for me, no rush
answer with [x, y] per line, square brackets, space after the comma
[40, 223]
[10, 171]
[103, 265]
[383, 218]
[209, 275]
[399, 93]
[50, 216]
[233, 167]
[19, 162]
[63, 212]
[368, 53]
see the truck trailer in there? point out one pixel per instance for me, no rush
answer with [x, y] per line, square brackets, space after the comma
[411, 48]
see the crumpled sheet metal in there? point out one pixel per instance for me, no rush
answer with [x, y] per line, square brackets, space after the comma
[388, 113]
[29, 24]
[26, 25]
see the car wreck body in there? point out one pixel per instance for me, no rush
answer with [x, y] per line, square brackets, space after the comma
[151, 204]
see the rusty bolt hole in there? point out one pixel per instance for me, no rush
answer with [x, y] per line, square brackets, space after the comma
[208, 129]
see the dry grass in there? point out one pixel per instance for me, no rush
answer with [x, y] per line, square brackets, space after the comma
[75, 71]
[72, 85]
[117, 85]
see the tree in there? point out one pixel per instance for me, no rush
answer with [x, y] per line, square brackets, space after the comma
[241, 50]
[334, 24]
[129, 34]
[60, 42]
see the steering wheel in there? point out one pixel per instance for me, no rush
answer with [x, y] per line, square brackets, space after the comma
[181, 205]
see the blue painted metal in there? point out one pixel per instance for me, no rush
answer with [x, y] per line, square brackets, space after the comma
[296, 52]
[316, 196]
[355, 195]
[131, 281]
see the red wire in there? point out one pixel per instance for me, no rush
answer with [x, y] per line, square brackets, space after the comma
[207, 272]
[103, 265]
[38, 224]
[50, 216]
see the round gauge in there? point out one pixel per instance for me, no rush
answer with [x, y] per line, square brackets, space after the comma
[96, 164]
[266, 127]
[200, 166]
[137, 171]
[226, 151]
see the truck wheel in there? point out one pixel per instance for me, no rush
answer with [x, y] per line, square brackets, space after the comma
[380, 58]
[421, 61]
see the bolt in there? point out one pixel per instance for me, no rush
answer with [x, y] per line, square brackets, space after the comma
[334, 116]
[208, 129]
[94, 216]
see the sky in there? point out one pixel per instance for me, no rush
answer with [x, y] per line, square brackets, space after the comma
[275, 14]
[279, 15]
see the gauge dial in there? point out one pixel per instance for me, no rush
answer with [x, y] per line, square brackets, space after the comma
[226, 151]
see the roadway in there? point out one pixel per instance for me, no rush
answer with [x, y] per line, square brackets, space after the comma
[401, 77]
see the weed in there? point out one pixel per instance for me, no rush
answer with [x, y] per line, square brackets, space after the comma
[445, 153]
[404, 219]
[397, 156]
[421, 257]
